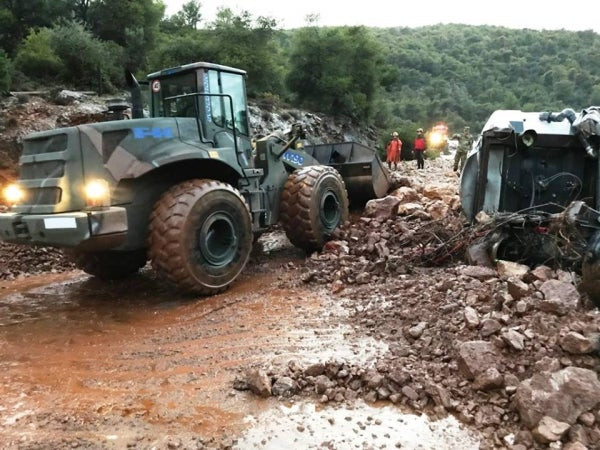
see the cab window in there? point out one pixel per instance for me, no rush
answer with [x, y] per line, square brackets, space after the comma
[233, 85]
[170, 87]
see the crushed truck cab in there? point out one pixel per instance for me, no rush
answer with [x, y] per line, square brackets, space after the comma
[537, 175]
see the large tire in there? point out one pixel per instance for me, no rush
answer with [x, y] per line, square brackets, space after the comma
[109, 265]
[200, 236]
[313, 204]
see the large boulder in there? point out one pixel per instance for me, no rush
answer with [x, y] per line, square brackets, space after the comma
[563, 395]
[382, 208]
[407, 194]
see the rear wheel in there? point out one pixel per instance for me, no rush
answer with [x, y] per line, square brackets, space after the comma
[109, 265]
[200, 236]
[313, 204]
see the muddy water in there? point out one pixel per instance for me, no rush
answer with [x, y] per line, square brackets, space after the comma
[85, 363]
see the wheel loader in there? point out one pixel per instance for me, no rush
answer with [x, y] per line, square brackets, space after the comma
[184, 187]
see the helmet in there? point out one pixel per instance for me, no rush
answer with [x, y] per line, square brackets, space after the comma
[419, 130]
[394, 134]
[467, 129]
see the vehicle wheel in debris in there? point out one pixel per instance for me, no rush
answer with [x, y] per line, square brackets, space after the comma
[313, 204]
[109, 265]
[590, 270]
[200, 236]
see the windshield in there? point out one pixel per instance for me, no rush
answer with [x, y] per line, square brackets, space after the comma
[170, 87]
[220, 100]
[232, 85]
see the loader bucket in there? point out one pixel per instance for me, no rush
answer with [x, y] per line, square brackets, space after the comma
[360, 167]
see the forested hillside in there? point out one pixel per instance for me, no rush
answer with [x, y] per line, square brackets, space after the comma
[397, 78]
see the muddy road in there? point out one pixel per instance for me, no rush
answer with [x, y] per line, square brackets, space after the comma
[137, 365]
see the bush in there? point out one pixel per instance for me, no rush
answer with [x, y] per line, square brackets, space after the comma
[87, 61]
[36, 58]
[5, 71]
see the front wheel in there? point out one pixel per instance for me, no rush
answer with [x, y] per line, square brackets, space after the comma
[200, 236]
[313, 204]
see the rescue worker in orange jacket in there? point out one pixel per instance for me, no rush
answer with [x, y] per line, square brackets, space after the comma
[393, 151]
[419, 146]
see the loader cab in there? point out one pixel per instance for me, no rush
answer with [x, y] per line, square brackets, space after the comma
[211, 94]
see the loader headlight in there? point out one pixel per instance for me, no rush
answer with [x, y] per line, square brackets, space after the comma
[13, 194]
[97, 193]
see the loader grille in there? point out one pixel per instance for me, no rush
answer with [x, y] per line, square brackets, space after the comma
[42, 196]
[56, 143]
[42, 169]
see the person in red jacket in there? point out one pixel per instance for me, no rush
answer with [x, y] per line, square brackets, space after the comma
[419, 147]
[393, 151]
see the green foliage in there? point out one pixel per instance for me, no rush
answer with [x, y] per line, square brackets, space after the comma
[17, 17]
[399, 78]
[5, 71]
[87, 60]
[188, 17]
[132, 24]
[460, 74]
[240, 40]
[237, 40]
[36, 57]
[335, 70]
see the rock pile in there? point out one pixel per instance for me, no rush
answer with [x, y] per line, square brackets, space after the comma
[510, 350]
[16, 260]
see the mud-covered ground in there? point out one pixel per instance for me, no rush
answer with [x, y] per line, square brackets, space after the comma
[388, 338]
[358, 346]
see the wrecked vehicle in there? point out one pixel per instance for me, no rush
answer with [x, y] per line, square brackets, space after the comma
[536, 175]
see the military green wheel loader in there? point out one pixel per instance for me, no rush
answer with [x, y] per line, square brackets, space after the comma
[183, 188]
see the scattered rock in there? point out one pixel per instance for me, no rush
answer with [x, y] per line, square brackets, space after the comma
[576, 343]
[283, 386]
[515, 339]
[471, 317]
[417, 330]
[489, 327]
[565, 293]
[475, 357]
[549, 430]
[562, 395]
[480, 273]
[517, 288]
[382, 208]
[258, 382]
[510, 269]
[488, 380]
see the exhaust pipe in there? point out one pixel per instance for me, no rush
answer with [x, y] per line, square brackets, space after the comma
[137, 106]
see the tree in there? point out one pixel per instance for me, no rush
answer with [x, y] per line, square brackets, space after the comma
[17, 17]
[88, 62]
[336, 70]
[36, 57]
[133, 24]
[191, 13]
[5, 71]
